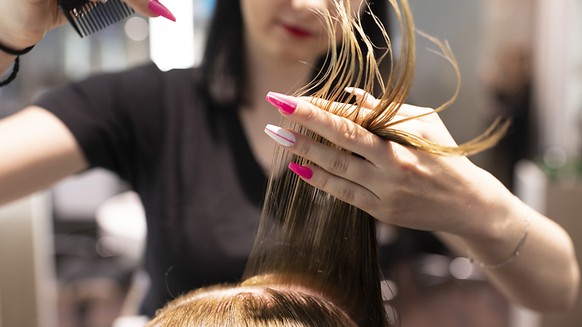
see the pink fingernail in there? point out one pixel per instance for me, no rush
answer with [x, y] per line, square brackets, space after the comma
[161, 10]
[302, 171]
[287, 104]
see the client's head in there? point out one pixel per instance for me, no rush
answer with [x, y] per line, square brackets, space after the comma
[252, 303]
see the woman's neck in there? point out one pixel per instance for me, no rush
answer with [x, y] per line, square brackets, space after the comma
[278, 75]
[264, 76]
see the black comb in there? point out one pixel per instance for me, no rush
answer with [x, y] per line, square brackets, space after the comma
[88, 17]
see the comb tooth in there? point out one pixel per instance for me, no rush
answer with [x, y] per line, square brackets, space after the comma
[81, 18]
[89, 17]
[125, 9]
[89, 6]
[122, 8]
[94, 20]
[117, 10]
[83, 26]
[86, 25]
[110, 15]
[98, 19]
[72, 22]
[105, 16]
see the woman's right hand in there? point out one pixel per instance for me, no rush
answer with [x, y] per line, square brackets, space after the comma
[25, 22]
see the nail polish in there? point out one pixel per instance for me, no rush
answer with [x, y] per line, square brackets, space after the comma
[159, 9]
[302, 171]
[281, 135]
[287, 104]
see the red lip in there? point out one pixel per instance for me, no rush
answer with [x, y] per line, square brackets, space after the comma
[296, 31]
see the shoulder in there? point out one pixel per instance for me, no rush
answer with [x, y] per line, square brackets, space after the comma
[188, 80]
[141, 78]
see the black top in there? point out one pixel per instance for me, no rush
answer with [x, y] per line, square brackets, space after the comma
[188, 160]
[191, 164]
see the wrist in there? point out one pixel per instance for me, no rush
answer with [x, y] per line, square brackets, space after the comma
[492, 212]
[499, 225]
[517, 250]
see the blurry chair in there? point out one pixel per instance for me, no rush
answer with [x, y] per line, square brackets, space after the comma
[559, 199]
[27, 271]
[121, 229]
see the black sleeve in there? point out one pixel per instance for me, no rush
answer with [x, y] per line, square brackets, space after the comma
[112, 116]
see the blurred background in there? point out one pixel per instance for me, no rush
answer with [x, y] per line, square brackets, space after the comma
[70, 256]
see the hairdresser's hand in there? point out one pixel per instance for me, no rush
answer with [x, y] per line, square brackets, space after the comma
[394, 184]
[25, 22]
[473, 211]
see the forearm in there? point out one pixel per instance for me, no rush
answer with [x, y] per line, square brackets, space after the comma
[41, 151]
[543, 273]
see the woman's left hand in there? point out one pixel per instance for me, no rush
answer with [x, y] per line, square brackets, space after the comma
[414, 189]
[395, 184]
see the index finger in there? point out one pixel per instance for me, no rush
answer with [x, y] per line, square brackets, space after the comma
[356, 113]
[337, 129]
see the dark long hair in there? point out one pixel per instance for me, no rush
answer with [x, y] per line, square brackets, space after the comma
[223, 64]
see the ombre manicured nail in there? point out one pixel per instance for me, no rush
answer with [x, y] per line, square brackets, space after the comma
[281, 135]
[302, 171]
[161, 10]
[360, 94]
[287, 104]
[356, 91]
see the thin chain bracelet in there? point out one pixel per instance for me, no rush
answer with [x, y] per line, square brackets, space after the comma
[511, 258]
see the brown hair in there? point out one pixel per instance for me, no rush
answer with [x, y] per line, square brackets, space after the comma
[257, 306]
